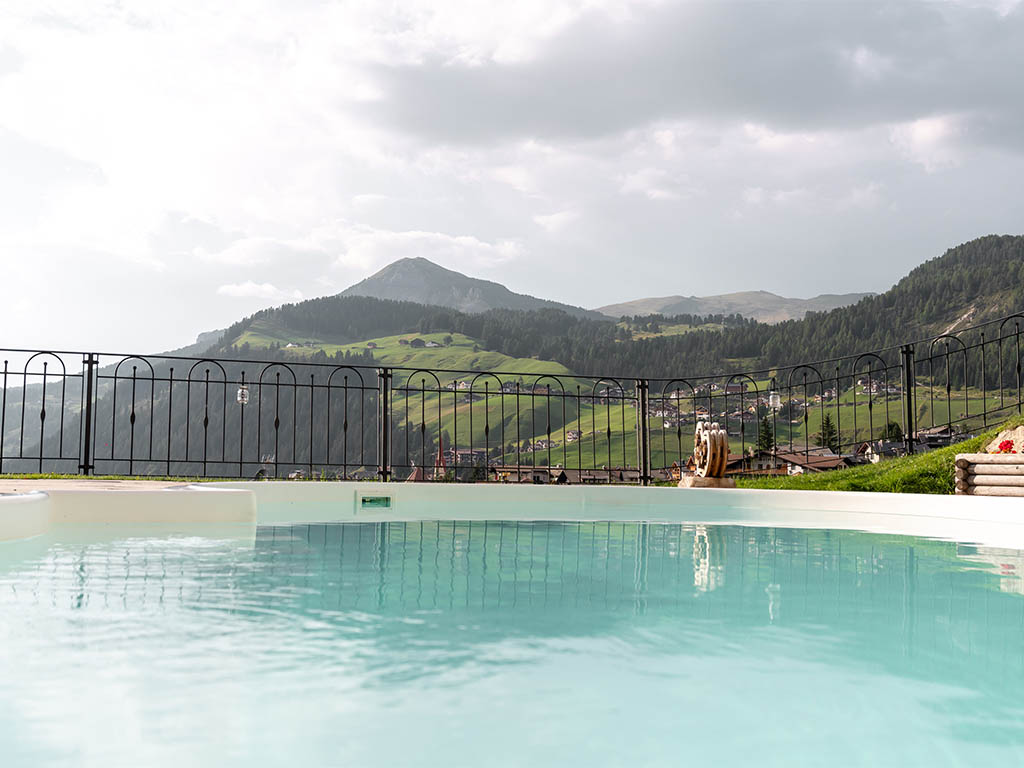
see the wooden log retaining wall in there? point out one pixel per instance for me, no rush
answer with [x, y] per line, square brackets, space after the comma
[990, 474]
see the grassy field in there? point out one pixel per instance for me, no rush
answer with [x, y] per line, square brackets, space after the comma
[673, 329]
[924, 473]
[462, 354]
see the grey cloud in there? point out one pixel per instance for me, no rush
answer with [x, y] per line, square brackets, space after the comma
[792, 65]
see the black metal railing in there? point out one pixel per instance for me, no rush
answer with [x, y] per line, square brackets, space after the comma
[99, 413]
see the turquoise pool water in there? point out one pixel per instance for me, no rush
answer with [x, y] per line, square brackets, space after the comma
[510, 644]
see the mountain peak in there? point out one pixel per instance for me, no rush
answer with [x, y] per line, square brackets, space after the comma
[422, 281]
[764, 306]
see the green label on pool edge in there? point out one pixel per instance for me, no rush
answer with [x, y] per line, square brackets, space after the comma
[376, 502]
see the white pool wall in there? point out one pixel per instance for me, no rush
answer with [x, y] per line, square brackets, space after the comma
[23, 516]
[999, 523]
[982, 520]
[187, 508]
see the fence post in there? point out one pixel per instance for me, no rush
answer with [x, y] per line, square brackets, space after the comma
[384, 424]
[643, 443]
[909, 382]
[89, 362]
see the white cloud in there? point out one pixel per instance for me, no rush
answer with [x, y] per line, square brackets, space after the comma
[862, 196]
[369, 249]
[759, 195]
[653, 183]
[764, 138]
[253, 290]
[516, 176]
[260, 251]
[930, 141]
[754, 195]
[869, 64]
[258, 148]
[556, 222]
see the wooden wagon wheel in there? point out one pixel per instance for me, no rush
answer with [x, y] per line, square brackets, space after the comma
[703, 449]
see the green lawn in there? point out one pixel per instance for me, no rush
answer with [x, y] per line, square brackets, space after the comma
[930, 472]
[148, 478]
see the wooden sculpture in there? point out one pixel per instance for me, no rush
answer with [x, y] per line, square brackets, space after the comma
[710, 450]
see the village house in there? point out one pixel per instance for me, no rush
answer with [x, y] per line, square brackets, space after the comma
[558, 475]
[811, 460]
[878, 388]
[754, 462]
[524, 473]
[875, 451]
[611, 475]
[939, 437]
[543, 445]
[465, 457]
[610, 395]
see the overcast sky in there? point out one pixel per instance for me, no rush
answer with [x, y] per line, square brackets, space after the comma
[168, 167]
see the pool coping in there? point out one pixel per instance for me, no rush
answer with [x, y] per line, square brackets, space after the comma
[990, 521]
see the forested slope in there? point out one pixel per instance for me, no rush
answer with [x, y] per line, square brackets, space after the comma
[976, 281]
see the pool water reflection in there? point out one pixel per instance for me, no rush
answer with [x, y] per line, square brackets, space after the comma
[512, 644]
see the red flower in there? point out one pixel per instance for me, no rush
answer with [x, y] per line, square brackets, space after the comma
[1006, 447]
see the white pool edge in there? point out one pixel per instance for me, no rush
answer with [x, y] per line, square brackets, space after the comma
[189, 508]
[981, 520]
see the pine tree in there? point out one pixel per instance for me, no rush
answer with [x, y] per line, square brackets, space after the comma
[827, 437]
[765, 436]
[892, 431]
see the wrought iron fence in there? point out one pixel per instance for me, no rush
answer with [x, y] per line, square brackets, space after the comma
[102, 413]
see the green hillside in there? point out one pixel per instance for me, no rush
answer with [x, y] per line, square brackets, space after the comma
[646, 328]
[456, 352]
[517, 414]
[973, 282]
[758, 305]
[607, 432]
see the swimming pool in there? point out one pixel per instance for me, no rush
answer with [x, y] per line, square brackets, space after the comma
[494, 641]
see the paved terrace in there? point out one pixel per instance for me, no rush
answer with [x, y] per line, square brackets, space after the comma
[85, 484]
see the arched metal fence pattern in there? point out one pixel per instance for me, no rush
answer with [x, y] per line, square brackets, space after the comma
[99, 413]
